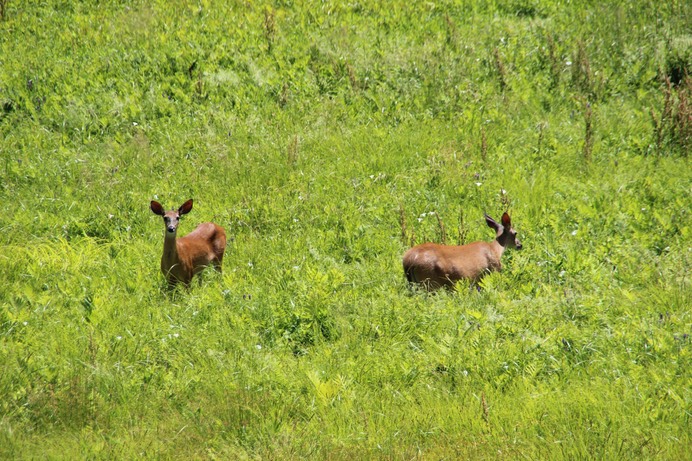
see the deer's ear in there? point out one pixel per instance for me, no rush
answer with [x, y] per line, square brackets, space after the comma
[156, 208]
[185, 208]
[491, 222]
[506, 222]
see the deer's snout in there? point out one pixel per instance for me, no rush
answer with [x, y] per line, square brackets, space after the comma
[517, 245]
[171, 225]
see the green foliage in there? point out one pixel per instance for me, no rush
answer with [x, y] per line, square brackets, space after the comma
[678, 58]
[327, 138]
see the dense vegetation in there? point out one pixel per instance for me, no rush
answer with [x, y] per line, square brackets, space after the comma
[327, 137]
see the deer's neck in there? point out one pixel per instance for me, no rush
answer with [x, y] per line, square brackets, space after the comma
[170, 249]
[498, 247]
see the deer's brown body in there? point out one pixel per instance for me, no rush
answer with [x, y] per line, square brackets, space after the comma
[186, 256]
[434, 265]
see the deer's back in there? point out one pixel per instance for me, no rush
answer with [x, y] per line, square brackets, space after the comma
[201, 246]
[443, 265]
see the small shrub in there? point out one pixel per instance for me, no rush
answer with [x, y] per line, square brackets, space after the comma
[673, 126]
[679, 60]
[581, 70]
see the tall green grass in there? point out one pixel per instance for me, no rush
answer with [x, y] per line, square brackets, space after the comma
[327, 138]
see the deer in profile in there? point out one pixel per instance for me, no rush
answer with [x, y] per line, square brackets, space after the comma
[435, 266]
[186, 256]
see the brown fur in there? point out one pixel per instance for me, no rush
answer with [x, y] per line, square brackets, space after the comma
[184, 257]
[434, 265]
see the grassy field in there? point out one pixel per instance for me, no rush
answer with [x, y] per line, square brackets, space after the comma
[327, 138]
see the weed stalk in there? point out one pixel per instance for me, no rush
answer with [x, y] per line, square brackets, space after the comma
[451, 30]
[293, 149]
[402, 223]
[484, 407]
[505, 200]
[269, 28]
[462, 231]
[554, 61]
[541, 130]
[588, 132]
[500, 68]
[443, 232]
